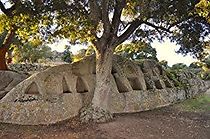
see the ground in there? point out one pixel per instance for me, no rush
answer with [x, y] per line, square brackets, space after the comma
[187, 120]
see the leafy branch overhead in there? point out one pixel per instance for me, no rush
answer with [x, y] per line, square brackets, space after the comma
[120, 20]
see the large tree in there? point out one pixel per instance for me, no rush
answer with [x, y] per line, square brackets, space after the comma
[13, 20]
[108, 23]
[6, 35]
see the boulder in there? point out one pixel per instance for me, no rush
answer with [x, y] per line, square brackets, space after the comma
[8, 80]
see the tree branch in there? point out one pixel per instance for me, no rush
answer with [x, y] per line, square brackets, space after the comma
[120, 4]
[3, 9]
[94, 16]
[95, 13]
[157, 27]
[105, 18]
[8, 39]
[133, 26]
[7, 12]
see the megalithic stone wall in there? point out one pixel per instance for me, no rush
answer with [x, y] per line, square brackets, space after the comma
[58, 93]
[8, 80]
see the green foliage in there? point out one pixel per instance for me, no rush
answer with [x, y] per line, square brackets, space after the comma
[31, 53]
[203, 68]
[67, 54]
[164, 64]
[195, 65]
[179, 20]
[174, 75]
[199, 104]
[206, 61]
[80, 55]
[174, 19]
[25, 24]
[3, 23]
[179, 66]
[177, 74]
[90, 50]
[136, 51]
[203, 9]
[205, 75]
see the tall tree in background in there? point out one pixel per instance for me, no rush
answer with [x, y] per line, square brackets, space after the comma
[67, 54]
[23, 21]
[31, 53]
[108, 23]
[16, 23]
[6, 35]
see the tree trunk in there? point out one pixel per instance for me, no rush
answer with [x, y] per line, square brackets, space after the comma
[97, 111]
[103, 78]
[4, 48]
[3, 51]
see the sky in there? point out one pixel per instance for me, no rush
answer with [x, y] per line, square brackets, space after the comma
[59, 46]
[165, 51]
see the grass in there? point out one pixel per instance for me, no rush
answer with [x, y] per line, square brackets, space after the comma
[199, 104]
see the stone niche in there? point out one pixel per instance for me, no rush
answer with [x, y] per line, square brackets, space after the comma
[59, 92]
[32, 89]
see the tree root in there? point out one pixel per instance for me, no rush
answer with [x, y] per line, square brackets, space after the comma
[95, 114]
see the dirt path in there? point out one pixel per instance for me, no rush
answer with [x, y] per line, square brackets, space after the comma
[160, 124]
[165, 123]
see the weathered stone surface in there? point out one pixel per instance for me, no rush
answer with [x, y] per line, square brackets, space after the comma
[8, 80]
[35, 110]
[28, 68]
[62, 92]
[91, 113]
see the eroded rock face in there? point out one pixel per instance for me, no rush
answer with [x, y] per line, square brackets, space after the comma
[60, 92]
[8, 80]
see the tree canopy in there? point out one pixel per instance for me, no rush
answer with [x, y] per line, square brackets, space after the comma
[18, 24]
[203, 9]
[136, 20]
[31, 53]
[183, 21]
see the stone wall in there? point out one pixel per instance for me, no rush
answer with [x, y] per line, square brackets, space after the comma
[8, 80]
[59, 92]
[27, 68]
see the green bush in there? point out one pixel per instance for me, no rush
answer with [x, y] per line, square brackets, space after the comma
[174, 76]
